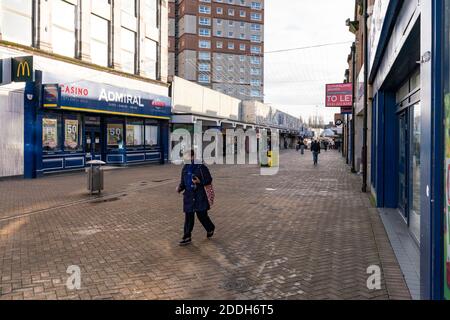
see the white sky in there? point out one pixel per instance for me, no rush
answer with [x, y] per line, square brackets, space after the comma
[295, 81]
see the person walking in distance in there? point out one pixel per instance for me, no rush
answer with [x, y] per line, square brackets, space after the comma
[194, 178]
[315, 149]
[302, 146]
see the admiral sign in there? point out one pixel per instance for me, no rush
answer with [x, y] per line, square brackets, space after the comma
[339, 95]
[103, 98]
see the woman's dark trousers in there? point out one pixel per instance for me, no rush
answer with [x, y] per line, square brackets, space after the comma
[190, 221]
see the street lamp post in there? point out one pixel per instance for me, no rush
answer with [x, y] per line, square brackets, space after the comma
[353, 106]
[366, 98]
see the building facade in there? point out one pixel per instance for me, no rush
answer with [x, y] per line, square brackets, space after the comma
[219, 44]
[409, 104]
[94, 84]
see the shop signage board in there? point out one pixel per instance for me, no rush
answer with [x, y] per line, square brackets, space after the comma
[22, 69]
[103, 98]
[50, 96]
[339, 95]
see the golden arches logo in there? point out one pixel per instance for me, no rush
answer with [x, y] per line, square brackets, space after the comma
[23, 66]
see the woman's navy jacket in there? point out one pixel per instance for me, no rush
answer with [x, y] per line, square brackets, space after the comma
[194, 197]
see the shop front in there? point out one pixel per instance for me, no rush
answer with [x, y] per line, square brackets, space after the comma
[76, 122]
[400, 141]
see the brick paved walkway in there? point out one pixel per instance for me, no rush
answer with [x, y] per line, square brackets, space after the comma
[306, 233]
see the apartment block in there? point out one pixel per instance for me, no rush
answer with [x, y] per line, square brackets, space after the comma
[219, 44]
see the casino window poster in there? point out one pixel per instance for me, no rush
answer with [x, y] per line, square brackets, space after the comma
[115, 135]
[49, 134]
[72, 134]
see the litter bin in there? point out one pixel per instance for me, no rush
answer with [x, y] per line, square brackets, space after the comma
[95, 176]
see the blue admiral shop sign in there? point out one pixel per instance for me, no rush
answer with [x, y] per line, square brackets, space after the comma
[102, 98]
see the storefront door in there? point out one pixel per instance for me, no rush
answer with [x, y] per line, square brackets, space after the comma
[414, 170]
[403, 164]
[93, 145]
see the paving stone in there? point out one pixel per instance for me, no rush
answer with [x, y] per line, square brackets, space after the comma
[312, 236]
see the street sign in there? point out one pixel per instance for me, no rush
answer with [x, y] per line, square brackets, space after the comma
[22, 69]
[346, 110]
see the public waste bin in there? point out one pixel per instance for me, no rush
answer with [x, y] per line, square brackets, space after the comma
[95, 176]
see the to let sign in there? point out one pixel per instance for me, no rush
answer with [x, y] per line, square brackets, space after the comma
[339, 95]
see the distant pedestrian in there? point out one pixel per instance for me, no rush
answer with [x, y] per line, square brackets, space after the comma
[302, 146]
[315, 149]
[285, 144]
[196, 200]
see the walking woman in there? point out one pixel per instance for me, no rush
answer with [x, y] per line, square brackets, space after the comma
[194, 178]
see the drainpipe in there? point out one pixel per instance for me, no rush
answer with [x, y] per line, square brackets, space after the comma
[366, 98]
[353, 107]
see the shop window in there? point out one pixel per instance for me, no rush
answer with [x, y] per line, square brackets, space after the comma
[135, 133]
[115, 135]
[72, 133]
[151, 135]
[50, 141]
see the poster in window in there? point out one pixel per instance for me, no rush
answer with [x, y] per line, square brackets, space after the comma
[130, 135]
[72, 134]
[49, 134]
[115, 134]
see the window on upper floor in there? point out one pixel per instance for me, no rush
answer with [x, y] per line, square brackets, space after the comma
[255, 27]
[255, 49]
[204, 55]
[255, 38]
[204, 32]
[256, 6]
[204, 9]
[204, 78]
[129, 7]
[151, 11]
[100, 44]
[204, 21]
[256, 16]
[63, 28]
[128, 50]
[15, 13]
[150, 64]
[205, 67]
[204, 44]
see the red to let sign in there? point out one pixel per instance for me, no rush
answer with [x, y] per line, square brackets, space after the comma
[339, 95]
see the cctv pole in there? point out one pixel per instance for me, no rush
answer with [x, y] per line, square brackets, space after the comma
[366, 98]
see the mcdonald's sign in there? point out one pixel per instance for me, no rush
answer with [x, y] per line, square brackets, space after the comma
[22, 69]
